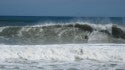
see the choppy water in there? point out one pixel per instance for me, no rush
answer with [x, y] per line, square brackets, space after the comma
[63, 57]
[62, 43]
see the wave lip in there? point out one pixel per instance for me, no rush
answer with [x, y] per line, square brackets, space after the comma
[62, 34]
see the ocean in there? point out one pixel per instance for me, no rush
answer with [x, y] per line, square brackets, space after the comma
[62, 43]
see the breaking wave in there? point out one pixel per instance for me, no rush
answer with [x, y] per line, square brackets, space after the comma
[62, 34]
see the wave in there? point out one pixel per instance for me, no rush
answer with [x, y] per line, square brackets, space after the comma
[62, 34]
[63, 52]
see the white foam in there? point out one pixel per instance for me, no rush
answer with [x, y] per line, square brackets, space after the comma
[64, 52]
[2, 28]
[98, 37]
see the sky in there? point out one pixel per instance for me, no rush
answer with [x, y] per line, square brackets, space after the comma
[103, 8]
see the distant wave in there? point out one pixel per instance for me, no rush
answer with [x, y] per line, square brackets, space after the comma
[62, 34]
[33, 20]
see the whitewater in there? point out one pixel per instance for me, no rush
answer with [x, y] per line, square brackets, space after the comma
[63, 57]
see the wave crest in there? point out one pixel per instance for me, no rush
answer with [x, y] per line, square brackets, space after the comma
[61, 34]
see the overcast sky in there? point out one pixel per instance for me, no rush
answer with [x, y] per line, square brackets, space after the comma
[102, 8]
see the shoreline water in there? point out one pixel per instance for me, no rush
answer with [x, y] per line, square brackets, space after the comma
[63, 57]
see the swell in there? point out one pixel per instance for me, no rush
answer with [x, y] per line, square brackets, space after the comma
[62, 34]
